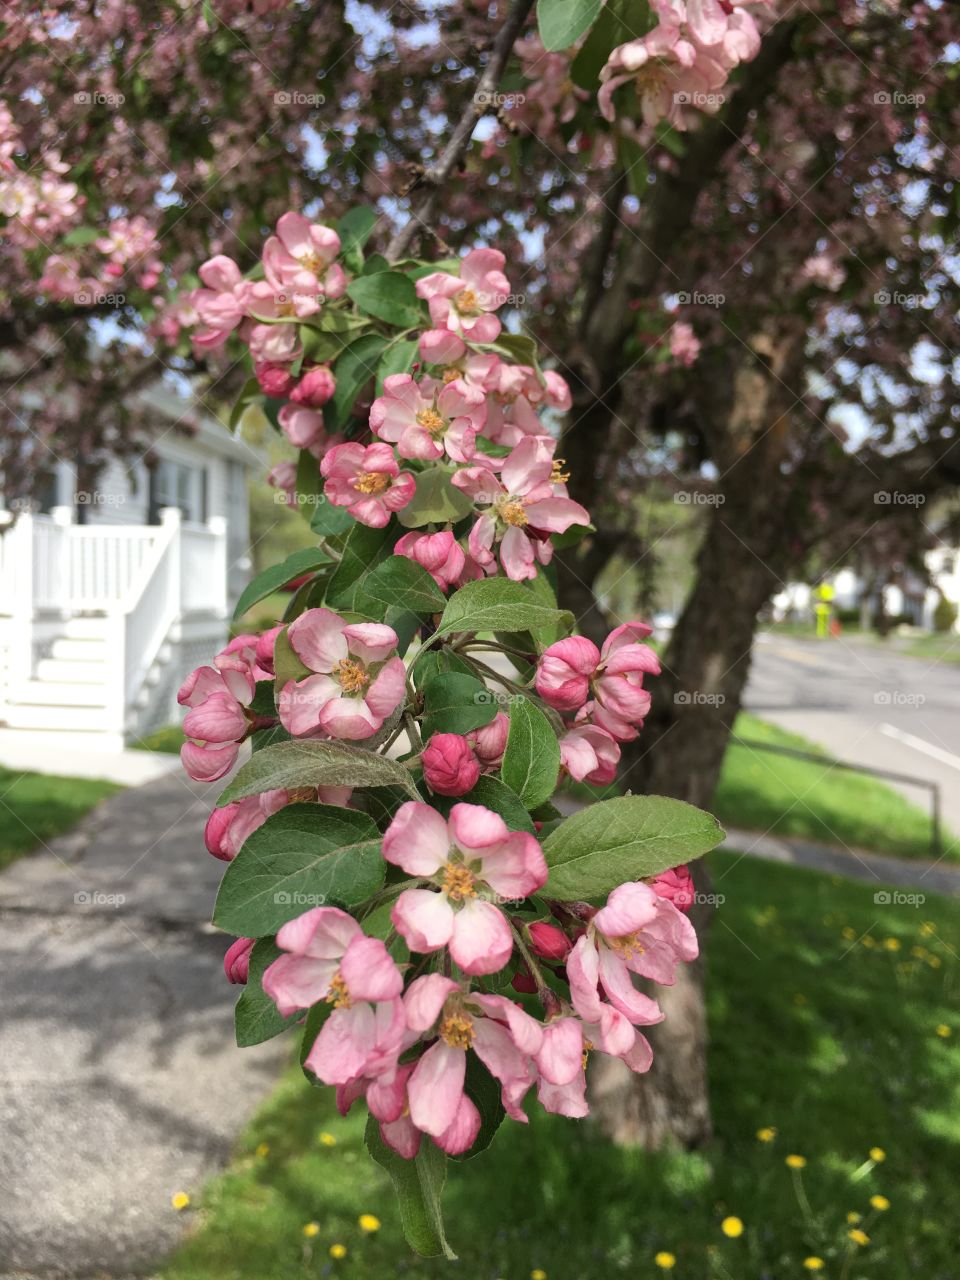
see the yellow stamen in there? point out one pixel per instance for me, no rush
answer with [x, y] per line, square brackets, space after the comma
[458, 882]
[371, 482]
[511, 511]
[338, 995]
[451, 373]
[585, 1056]
[627, 946]
[431, 421]
[558, 475]
[467, 302]
[456, 1030]
[313, 262]
[352, 676]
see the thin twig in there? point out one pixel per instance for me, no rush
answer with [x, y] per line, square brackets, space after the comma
[479, 103]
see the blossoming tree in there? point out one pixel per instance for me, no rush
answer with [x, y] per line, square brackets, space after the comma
[403, 885]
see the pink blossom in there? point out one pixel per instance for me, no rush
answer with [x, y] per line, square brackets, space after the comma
[490, 742]
[329, 958]
[639, 933]
[564, 672]
[471, 859]
[684, 343]
[236, 961]
[272, 343]
[265, 647]
[449, 766]
[429, 419]
[496, 1029]
[465, 304]
[548, 941]
[299, 262]
[228, 827]
[522, 508]
[676, 885]
[221, 305]
[367, 481]
[218, 698]
[590, 754]
[439, 553]
[356, 685]
[302, 427]
[315, 387]
[275, 380]
[566, 1096]
[669, 73]
[570, 670]
[284, 476]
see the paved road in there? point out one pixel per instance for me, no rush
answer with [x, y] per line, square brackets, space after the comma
[866, 705]
[119, 1080]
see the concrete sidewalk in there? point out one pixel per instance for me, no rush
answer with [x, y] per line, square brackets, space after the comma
[120, 1083]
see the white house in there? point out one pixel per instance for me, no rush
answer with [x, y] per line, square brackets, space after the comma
[108, 598]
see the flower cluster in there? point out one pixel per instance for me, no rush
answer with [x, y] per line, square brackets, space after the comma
[679, 68]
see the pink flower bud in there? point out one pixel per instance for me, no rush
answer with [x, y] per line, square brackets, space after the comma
[549, 942]
[439, 553]
[275, 379]
[315, 387]
[236, 963]
[265, 647]
[523, 981]
[449, 766]
[564, 671]
[489, 743]
[216, 832]
[676, 885]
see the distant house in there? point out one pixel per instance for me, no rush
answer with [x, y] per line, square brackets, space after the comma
[109, 597]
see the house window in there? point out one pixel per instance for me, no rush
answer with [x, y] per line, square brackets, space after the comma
[173, 484]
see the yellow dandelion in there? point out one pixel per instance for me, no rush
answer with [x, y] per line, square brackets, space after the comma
[796, 1162]
[327, 1139]
[891, 944]
[927, 929]
[368, 1222]
[664, 1260]
[933, 962]
[877, 1155]
[180, 1200]
[849, 933]
[813, 1264]
[538, 1273]
[858, 1236]
[853, 1217]
[732, 1227]
[868, 941]
[337, 1251]
[943, 1031]
[880, 1202]
[767, 1134]
[920, 953]
[263, 1149]
[311, 1229]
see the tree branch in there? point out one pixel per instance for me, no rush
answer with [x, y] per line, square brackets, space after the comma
[476, 106]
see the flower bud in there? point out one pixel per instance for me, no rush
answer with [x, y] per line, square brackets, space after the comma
[439, 553]
[275, 379]
[265, 647]
[490, 742]
[236, 963]
[549, 942]
[315, 387]
[523, 982]
[676, 885]
[449, 766]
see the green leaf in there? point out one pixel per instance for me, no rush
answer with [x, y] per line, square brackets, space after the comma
[628, 838]
[320, 347]
[287, 665]
[278, 575]
[618, 22]
[356, 226]
[541, 589]
[493, 794]
[419, 1187]
[375, 264]
[311, 763]
[397, 358]
[354, 369]
[531, 761]
[329, 520]
[306, 855]
[80, 236]
[456, 703]
[436, 501]
[519, 347]
[496, 604]
[402, 584]
[360, 552]
[563, 22]
[485, 1094]
[388, 295]
[332, 321]
[256, 1018]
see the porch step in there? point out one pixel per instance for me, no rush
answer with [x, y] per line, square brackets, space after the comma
[86, 628]
[70, 671]
[43, 693]
[79, 650]
[59, 718]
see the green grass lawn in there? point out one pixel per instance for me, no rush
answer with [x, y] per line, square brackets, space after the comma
[169, 740]
[763, 791]
[35, 807]
[833, 1022]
